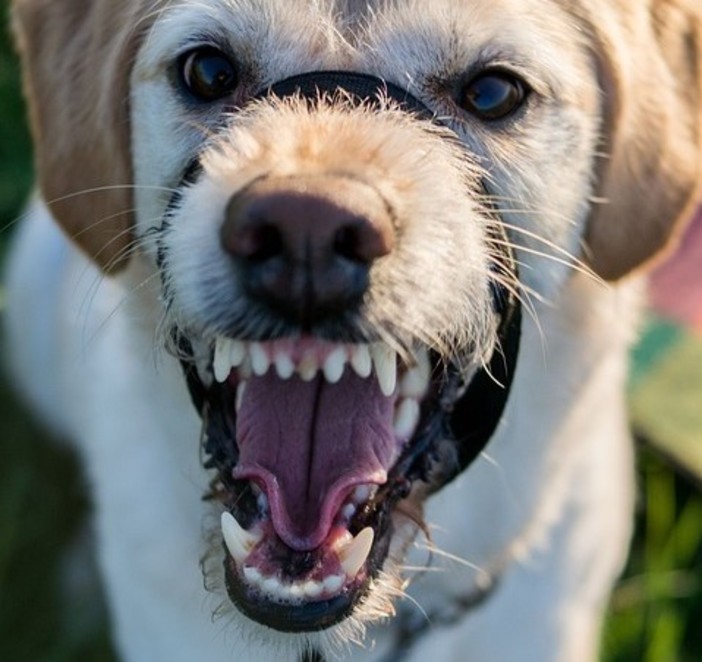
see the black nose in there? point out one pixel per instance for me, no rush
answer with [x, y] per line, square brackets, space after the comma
[305, 245]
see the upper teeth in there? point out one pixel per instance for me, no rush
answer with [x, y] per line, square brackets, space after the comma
[385, 362]
[259, 359]
[331, 360]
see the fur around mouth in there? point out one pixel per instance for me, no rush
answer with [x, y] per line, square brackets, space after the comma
[314, 445]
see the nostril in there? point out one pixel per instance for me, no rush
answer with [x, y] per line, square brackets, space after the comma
[264, 242]
[251, 230]
[346, 243]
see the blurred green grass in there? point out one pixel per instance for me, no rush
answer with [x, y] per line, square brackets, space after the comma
[656, 610]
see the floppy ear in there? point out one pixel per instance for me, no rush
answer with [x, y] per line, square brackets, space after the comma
[76, 58]
[651, 68]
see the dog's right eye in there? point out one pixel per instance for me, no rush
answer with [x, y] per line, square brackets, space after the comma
[493, 95]
[207, 73]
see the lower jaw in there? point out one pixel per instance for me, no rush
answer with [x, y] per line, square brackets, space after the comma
[305, 614]
[311, 616]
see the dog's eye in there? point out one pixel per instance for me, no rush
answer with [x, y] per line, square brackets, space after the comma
[208, 74]
[493, 96]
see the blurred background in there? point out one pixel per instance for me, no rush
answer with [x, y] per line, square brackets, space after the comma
[50, 610]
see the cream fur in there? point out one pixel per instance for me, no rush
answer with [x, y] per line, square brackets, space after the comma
[547, 506]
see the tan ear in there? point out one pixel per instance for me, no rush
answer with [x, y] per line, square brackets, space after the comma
[76, 57]
[651, 58]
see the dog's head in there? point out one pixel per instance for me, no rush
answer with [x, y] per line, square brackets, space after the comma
[335, 249]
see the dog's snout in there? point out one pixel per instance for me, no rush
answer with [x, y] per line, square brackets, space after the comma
[305, 245]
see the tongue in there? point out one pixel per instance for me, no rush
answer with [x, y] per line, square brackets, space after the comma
[309, 443]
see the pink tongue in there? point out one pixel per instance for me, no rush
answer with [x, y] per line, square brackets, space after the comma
[309, 444]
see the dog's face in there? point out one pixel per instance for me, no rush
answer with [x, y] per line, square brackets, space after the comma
[329, 265]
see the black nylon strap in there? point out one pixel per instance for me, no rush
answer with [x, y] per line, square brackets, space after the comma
[363, 88]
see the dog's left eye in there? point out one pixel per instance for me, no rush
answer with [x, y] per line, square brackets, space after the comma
[493, 95]
[208, 74]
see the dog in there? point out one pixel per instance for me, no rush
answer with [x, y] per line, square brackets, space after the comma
[335, 298]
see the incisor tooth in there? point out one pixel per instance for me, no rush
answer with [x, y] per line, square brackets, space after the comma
[237, 352]
[221, 364]
[355, 553]
[252, 575]
[284, 365]
[312, 589]
[333, 584]
[238, 542]
[272, 586]
[334, 365]
[308, 367]
[259, 359]
[361, 361]
[385, 368]
[406, 418]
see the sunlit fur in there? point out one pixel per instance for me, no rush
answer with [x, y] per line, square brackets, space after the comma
[588, 178]
[408, 300]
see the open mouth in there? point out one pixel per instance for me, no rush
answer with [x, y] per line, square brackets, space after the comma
[310, 439]
[316, 445]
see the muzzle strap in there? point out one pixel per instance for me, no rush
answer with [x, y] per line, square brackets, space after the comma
[362, 89]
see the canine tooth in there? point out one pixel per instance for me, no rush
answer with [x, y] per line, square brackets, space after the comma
[385, 368]
[361, 361]
[253, 575]
[334, 365]
[240, 389]
[259, 359]
[406, 418]
[333, 584]
[221, 365]
[308, 367]
[238, 541]
[284, 365]
[355, 553]
[312, 589]
[237, 352]
[415, 382]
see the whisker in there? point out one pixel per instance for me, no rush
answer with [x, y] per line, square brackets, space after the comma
[454, 559]
[108, 187]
